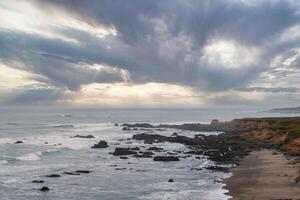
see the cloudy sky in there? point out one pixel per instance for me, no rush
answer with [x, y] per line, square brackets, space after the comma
[140, 53]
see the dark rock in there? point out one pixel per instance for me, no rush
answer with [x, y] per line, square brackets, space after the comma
[83, 171]
[135, 149]
[155, 149]
[139, 125]
[296, 154]
[170, 180]
[172, 153]
[165, 158]
[192, 127]
[198, 169]
[37, 181]
[53, 176]
[121, 168]
[126, 129]
[160, 129]
[101, 144]
[148, 153]
[19, 142]
[218, 168]
[174, 134]
[194, 152]
[155, 138]
[44, 189]
[72, 173]
[123, 151]
[116, 124]
[83, 136]
[297, 179]
[123, 157]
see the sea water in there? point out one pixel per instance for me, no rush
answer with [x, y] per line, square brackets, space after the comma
[48, 148]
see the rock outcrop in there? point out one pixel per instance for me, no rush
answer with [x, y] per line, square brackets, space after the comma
[101, 144]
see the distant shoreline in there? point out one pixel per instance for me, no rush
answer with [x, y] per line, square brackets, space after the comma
[285, 110]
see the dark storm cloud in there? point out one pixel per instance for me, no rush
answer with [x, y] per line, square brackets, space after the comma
[62, 63]
[158, 41]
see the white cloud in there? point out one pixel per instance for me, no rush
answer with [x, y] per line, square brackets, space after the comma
[230, 54]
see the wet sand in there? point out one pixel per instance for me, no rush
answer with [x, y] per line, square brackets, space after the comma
[262, 175]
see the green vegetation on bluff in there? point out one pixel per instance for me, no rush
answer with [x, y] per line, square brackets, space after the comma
[289, 125]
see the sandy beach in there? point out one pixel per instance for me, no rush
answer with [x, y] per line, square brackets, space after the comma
[262, 175]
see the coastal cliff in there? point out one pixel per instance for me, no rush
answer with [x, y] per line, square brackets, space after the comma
[283, 133]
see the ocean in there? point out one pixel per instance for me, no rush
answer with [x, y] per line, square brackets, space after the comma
[48, 148]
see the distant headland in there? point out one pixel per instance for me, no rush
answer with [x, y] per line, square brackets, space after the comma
[285, 110]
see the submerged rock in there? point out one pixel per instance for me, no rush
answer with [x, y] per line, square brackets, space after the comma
[83, 136]
[121, 168]
[165, 158]
[44, 189]
[123, 151]
[37, 181]
[72, 173]
[101, 144]
[218, 168]
[53, 176]
[126, 129]
[83, 171]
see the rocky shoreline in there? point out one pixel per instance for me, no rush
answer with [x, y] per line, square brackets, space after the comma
[238, 139]
[229, 147]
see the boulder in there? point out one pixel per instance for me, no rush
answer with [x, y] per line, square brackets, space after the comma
[44, 189]
[148, 153]
[155, 149]
[101, 144]
[19, 142]
[170, 180]
[126, 129]
[165, 158]
[123, 151]
[135, 149]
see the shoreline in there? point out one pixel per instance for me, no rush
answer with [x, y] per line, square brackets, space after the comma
[265, 152]
[264, 174]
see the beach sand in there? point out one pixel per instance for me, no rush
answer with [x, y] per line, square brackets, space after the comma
[264, 174]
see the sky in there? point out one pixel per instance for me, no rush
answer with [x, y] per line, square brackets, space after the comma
[140, 53]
